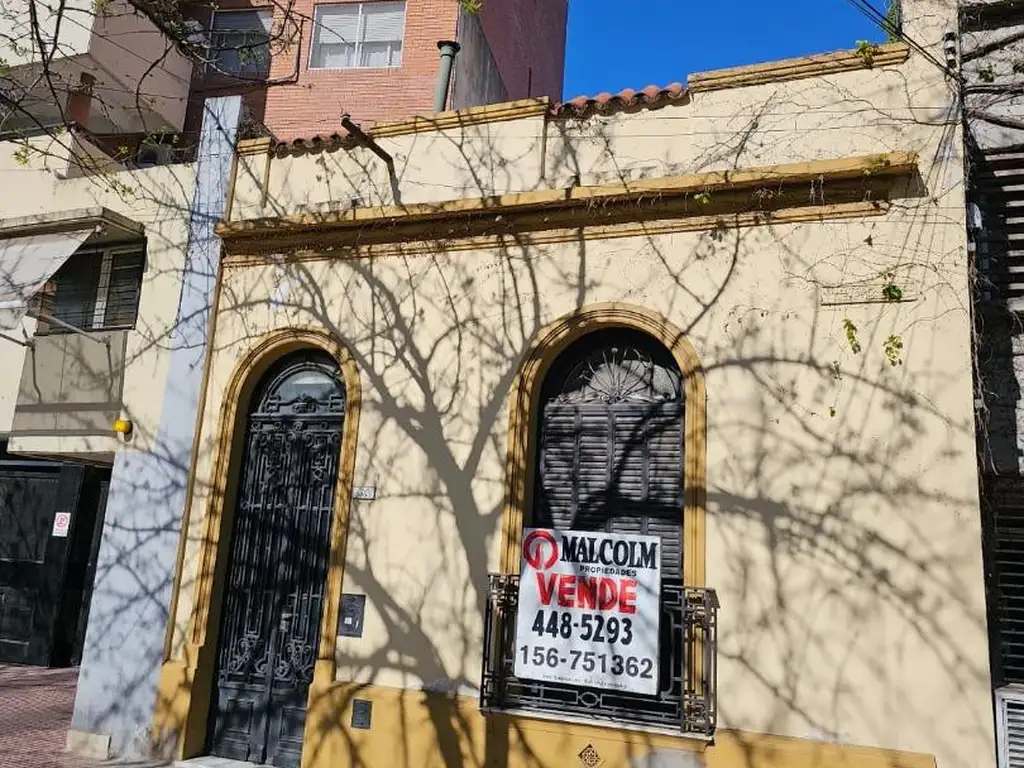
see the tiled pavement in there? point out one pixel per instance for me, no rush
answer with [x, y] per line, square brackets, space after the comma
[35, 713]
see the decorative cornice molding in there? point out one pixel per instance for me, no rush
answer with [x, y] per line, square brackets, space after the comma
[642, 228]
[799, 68]
[709, 197]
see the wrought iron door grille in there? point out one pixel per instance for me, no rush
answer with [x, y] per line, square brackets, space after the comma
[688, 687]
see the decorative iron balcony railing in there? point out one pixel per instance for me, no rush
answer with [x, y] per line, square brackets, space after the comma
[686, 698]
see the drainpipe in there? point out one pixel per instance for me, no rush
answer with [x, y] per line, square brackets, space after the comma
[448, 50]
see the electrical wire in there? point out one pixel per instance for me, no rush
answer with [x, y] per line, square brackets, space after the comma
[882, 21]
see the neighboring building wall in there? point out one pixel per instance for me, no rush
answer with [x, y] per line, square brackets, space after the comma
[303, 102]
[842, 528]
[117, 46]
[157, 198]
[124, 45]
[528, 41]
[512, 49]
[19, 46]
[477, 79]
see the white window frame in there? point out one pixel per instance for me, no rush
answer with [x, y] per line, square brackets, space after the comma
[1009, 693]
[262, 12]
[360, 25]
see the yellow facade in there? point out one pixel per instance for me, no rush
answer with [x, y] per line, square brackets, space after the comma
[830, 473]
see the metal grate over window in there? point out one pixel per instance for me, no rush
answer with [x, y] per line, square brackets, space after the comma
[687, 689]
[95, 290]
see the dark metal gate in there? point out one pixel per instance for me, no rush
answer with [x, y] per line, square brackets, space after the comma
[43, 576]
[279, 550]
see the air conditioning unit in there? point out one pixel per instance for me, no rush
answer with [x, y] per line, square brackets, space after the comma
[1010, 726]
[154, 154]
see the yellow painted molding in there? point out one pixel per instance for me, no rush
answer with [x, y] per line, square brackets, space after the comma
[302, 253]
[416, 728]
[186, 686]
[798, 68]
[254, 146]
[461, 118]
[590, 199]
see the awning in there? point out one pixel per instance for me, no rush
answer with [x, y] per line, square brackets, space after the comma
[26, 263]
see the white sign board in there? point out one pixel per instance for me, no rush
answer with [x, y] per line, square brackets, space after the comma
[589, 608]
[61, 524]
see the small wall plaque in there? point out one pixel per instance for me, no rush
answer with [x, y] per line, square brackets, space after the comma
[350, 618]
[364, 492]
[362, 713]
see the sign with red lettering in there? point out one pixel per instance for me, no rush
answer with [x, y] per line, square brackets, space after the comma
[589, 608]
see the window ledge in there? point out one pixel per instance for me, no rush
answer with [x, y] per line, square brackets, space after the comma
[699, 739]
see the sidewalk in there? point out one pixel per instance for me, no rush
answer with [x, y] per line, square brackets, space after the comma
[35, 714]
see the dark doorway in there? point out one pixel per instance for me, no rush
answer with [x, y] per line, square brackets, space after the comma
[50, 516]
[274, 589]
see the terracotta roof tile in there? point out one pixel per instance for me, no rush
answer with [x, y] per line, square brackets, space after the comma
[651, 97]
[628, 100]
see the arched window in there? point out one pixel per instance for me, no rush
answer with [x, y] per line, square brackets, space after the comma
[610, 442]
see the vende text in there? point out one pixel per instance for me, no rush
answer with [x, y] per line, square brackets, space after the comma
[601, 593]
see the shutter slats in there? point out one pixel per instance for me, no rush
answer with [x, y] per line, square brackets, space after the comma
[1004, 496]
[337, 23]
[1012, 732]
[635, 488]
[125, 289]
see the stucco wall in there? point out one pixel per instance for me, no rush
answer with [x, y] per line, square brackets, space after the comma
[74, 19]
[124, 45]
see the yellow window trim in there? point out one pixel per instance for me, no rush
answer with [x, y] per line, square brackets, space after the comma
[524, 400]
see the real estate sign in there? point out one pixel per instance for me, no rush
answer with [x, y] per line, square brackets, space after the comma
[589, 609]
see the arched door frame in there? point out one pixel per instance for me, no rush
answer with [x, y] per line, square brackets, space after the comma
[524, 405]
[212, 557]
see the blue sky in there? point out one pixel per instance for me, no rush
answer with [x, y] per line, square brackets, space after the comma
[616, 44]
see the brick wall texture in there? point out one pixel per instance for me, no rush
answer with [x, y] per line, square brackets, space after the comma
[527, 39]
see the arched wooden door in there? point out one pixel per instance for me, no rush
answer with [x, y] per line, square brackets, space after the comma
[273, 597]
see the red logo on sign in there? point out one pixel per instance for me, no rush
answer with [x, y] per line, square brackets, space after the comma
[534, 550]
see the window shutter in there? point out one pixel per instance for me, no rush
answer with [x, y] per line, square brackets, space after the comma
[557, 501]
[337, 24]
[124, 289]
[613, 466]
[1004, 508]
[77, 282]
[383, 22]
[242, 21]
[1010, 727]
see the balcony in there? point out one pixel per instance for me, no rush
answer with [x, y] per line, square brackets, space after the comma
[71, 387]
[70, 287]
[686, 702]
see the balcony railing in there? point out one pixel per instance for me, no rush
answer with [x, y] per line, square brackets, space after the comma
[686, 698]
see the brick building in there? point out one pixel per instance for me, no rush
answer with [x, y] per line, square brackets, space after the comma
[299, 66]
